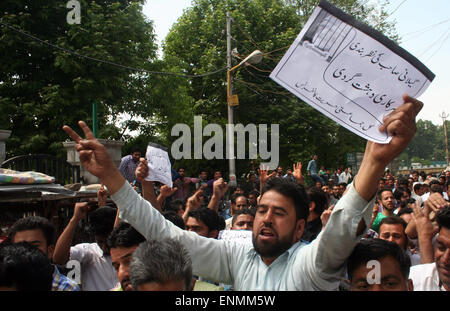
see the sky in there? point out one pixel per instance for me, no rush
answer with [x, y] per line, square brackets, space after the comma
[424, 27]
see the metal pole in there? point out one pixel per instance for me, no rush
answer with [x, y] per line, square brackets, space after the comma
[444, 119]
[230, 132]
[94, 119]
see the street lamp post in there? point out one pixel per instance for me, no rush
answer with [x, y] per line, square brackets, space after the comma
[232, 99]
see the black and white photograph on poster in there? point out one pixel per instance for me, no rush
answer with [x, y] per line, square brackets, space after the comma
[350, 72]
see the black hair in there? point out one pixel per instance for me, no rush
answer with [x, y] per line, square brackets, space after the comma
[25, 268]
[209, 217]
[174, 205]
[398, 193]
[404, 203]
[254, 192]
[124, 235]
[319, 197]
[417, 187]
[101, 221]
[174, 218]
[34, 223]
[405, 210]
[443, 217]
[234, 196]
[291, 190]
[136, 149]
[376, 249]
[403, 181]
[393, 220]
[244, 211]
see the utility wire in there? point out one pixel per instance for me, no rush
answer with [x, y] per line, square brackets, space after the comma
[287, 110]
[104, 61]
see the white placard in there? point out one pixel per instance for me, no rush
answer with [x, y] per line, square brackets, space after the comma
[238, 236]
[158, 164]
[350, 72]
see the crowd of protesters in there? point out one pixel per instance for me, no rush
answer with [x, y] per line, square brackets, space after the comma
[315, 235]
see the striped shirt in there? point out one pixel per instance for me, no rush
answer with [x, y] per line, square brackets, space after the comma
[128, 167]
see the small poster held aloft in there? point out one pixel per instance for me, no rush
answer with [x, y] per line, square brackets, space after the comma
[158, 164]
[350, 72]
[238, 236]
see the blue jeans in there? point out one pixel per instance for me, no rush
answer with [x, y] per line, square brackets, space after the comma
[317, 178]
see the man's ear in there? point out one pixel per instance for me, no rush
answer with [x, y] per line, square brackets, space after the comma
[299, 229]
[312, 206]
[50, 250]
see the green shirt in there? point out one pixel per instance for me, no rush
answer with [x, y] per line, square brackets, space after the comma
[376, 222]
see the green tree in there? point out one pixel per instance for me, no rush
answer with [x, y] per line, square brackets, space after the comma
[43, 87]
[427, 144]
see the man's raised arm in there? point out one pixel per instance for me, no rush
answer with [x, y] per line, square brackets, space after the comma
[95, 158]
[352, 214]
[401, 125]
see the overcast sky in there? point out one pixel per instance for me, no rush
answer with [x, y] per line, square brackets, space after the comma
[424, 27]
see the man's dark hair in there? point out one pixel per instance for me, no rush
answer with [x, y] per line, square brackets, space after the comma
[417, 187]
[443, 217]
[406, 210]
[244, 211]
[34, 223]
[376, 249]
[101, 221]
[291, 190]
[124, 235]
[394, 220]
[254, 192]
[136, 149]
[234, 196]
[161, 261]
[319, 197]
[404, 204]
[25, 268]
[174, 218]
[209, 217]
[398, 193]
[403, 181]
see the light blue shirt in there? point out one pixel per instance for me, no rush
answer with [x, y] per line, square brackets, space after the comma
[312, 167]
[319, 265]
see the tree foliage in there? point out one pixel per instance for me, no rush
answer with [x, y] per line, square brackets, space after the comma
[197, 44]
[43, 87]
[427, 145]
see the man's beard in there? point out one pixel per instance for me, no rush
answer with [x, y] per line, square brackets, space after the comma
[272, 250]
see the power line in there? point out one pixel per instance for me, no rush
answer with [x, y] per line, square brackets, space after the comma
[286, 109]
[395, 9]
[442, 44]
[427, 49]
[425, 29]
[105, 61]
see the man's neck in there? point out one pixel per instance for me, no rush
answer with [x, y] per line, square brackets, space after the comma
[268, 261]
[387, 212]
